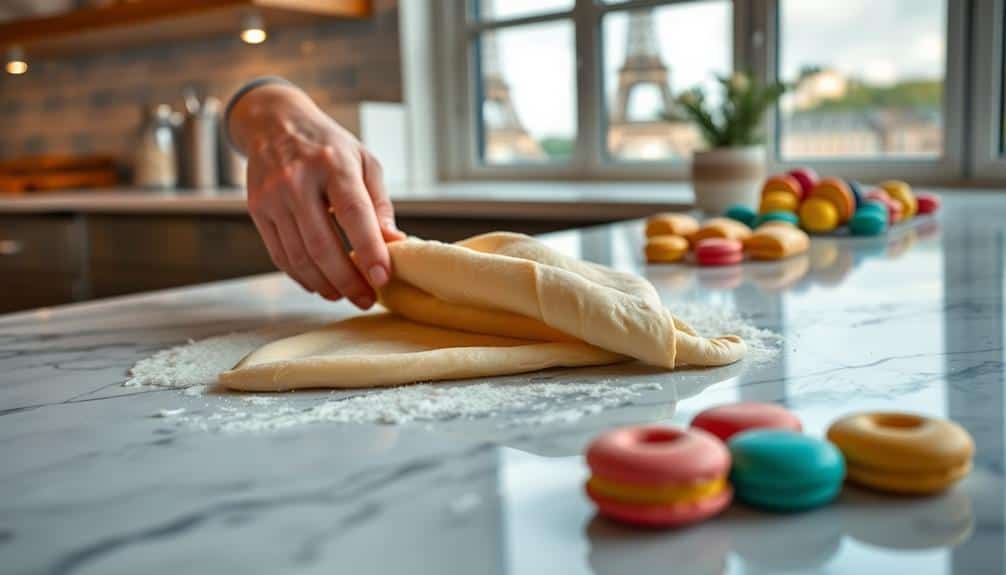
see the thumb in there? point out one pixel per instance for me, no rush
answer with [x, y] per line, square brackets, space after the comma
[373, 179]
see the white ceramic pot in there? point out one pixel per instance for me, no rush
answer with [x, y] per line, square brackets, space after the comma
[723, 177]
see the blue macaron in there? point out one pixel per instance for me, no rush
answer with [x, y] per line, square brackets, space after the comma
[781, 470]
[856, 189]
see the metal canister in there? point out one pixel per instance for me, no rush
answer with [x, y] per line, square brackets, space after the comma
[200, 137]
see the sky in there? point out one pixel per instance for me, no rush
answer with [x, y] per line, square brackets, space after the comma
[882, 41]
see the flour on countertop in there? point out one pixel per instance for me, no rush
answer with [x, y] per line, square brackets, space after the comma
[711, 321]
[193, 368]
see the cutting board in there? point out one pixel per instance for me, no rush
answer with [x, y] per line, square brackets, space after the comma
[53, 173]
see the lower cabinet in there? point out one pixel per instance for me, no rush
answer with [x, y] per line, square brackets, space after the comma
[43, 261]
[53, 259]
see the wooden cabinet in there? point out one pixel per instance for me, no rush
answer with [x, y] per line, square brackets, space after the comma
[54, 259]
[42, 261]
[140, 252]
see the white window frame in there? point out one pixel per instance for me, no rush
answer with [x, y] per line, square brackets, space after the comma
[944, 170]
[755, 42]
[988, 162]
[458, 117]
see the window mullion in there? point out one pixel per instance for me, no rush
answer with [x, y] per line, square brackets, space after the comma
[587, 153]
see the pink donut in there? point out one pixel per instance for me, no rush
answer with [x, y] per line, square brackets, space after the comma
[719, 252]
[653, 455]
[726, 420]
[662, 515]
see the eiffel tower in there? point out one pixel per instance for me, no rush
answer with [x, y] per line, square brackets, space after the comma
[506, 140]
[652, 137]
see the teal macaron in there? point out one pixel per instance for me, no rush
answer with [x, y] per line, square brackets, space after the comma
[868, 222]
[787, 217]
[780, 470]
[873, 206]
[742, 213]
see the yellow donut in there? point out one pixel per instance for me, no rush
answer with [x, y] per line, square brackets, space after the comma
[721, 228]
[903, 453]
[902, 193]
[665, 249]
[668, 224]
[656, 494]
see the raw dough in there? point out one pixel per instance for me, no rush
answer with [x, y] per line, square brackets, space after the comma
[494, 304]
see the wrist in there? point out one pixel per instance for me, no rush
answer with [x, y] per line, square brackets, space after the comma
[269, 110]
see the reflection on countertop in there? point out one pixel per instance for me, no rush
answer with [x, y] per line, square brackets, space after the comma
[915, 321]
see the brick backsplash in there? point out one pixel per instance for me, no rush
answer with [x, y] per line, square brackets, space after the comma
[93, 103]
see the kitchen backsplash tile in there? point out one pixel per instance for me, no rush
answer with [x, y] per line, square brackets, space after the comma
[93, 103]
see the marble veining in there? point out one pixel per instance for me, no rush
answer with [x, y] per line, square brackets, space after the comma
[92, 483]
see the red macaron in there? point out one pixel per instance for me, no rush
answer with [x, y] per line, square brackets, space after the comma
[726, 420]
[719, 252]
[928, 203]
[807, 178]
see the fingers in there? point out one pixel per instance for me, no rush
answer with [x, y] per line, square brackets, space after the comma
[355, 213]
[301, 266]
[270, 237]
[325, 249]
[373, 178]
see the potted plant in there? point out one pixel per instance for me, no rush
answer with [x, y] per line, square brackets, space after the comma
[732, 169]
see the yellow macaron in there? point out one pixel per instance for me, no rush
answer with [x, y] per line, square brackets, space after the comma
[902, 452]
[902, 193]
[671, 224]
[666, 249]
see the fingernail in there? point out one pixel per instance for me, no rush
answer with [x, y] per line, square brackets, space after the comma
[364, 302]
[378, 276]
[389, 224]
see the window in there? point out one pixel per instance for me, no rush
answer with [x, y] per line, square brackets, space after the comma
[577, 89]
[859, 90]
[540, 101]
[650, 56]
[527, 88]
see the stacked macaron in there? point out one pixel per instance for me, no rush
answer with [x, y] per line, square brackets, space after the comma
[667, 477]
[775, 466]
[823, 205]
[667, 236]
[658, 476]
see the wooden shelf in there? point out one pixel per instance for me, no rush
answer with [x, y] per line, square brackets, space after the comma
[136, 22]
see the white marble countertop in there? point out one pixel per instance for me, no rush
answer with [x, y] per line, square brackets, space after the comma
[91, 483]
[533, 200]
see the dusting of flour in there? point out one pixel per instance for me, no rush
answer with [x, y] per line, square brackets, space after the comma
[193, 367]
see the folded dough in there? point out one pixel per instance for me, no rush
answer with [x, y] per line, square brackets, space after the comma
[494, 304]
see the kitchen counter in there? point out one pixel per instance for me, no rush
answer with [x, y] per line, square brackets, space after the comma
[537, 200]
[92, 483]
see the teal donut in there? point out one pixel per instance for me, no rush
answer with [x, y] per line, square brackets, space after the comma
[742, 214]
[787, 217]
[868, 222]
[780, 470]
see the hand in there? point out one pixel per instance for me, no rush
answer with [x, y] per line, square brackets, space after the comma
[301, 165]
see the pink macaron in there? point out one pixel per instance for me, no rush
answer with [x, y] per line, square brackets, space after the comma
[719, 252]
[724, 421]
